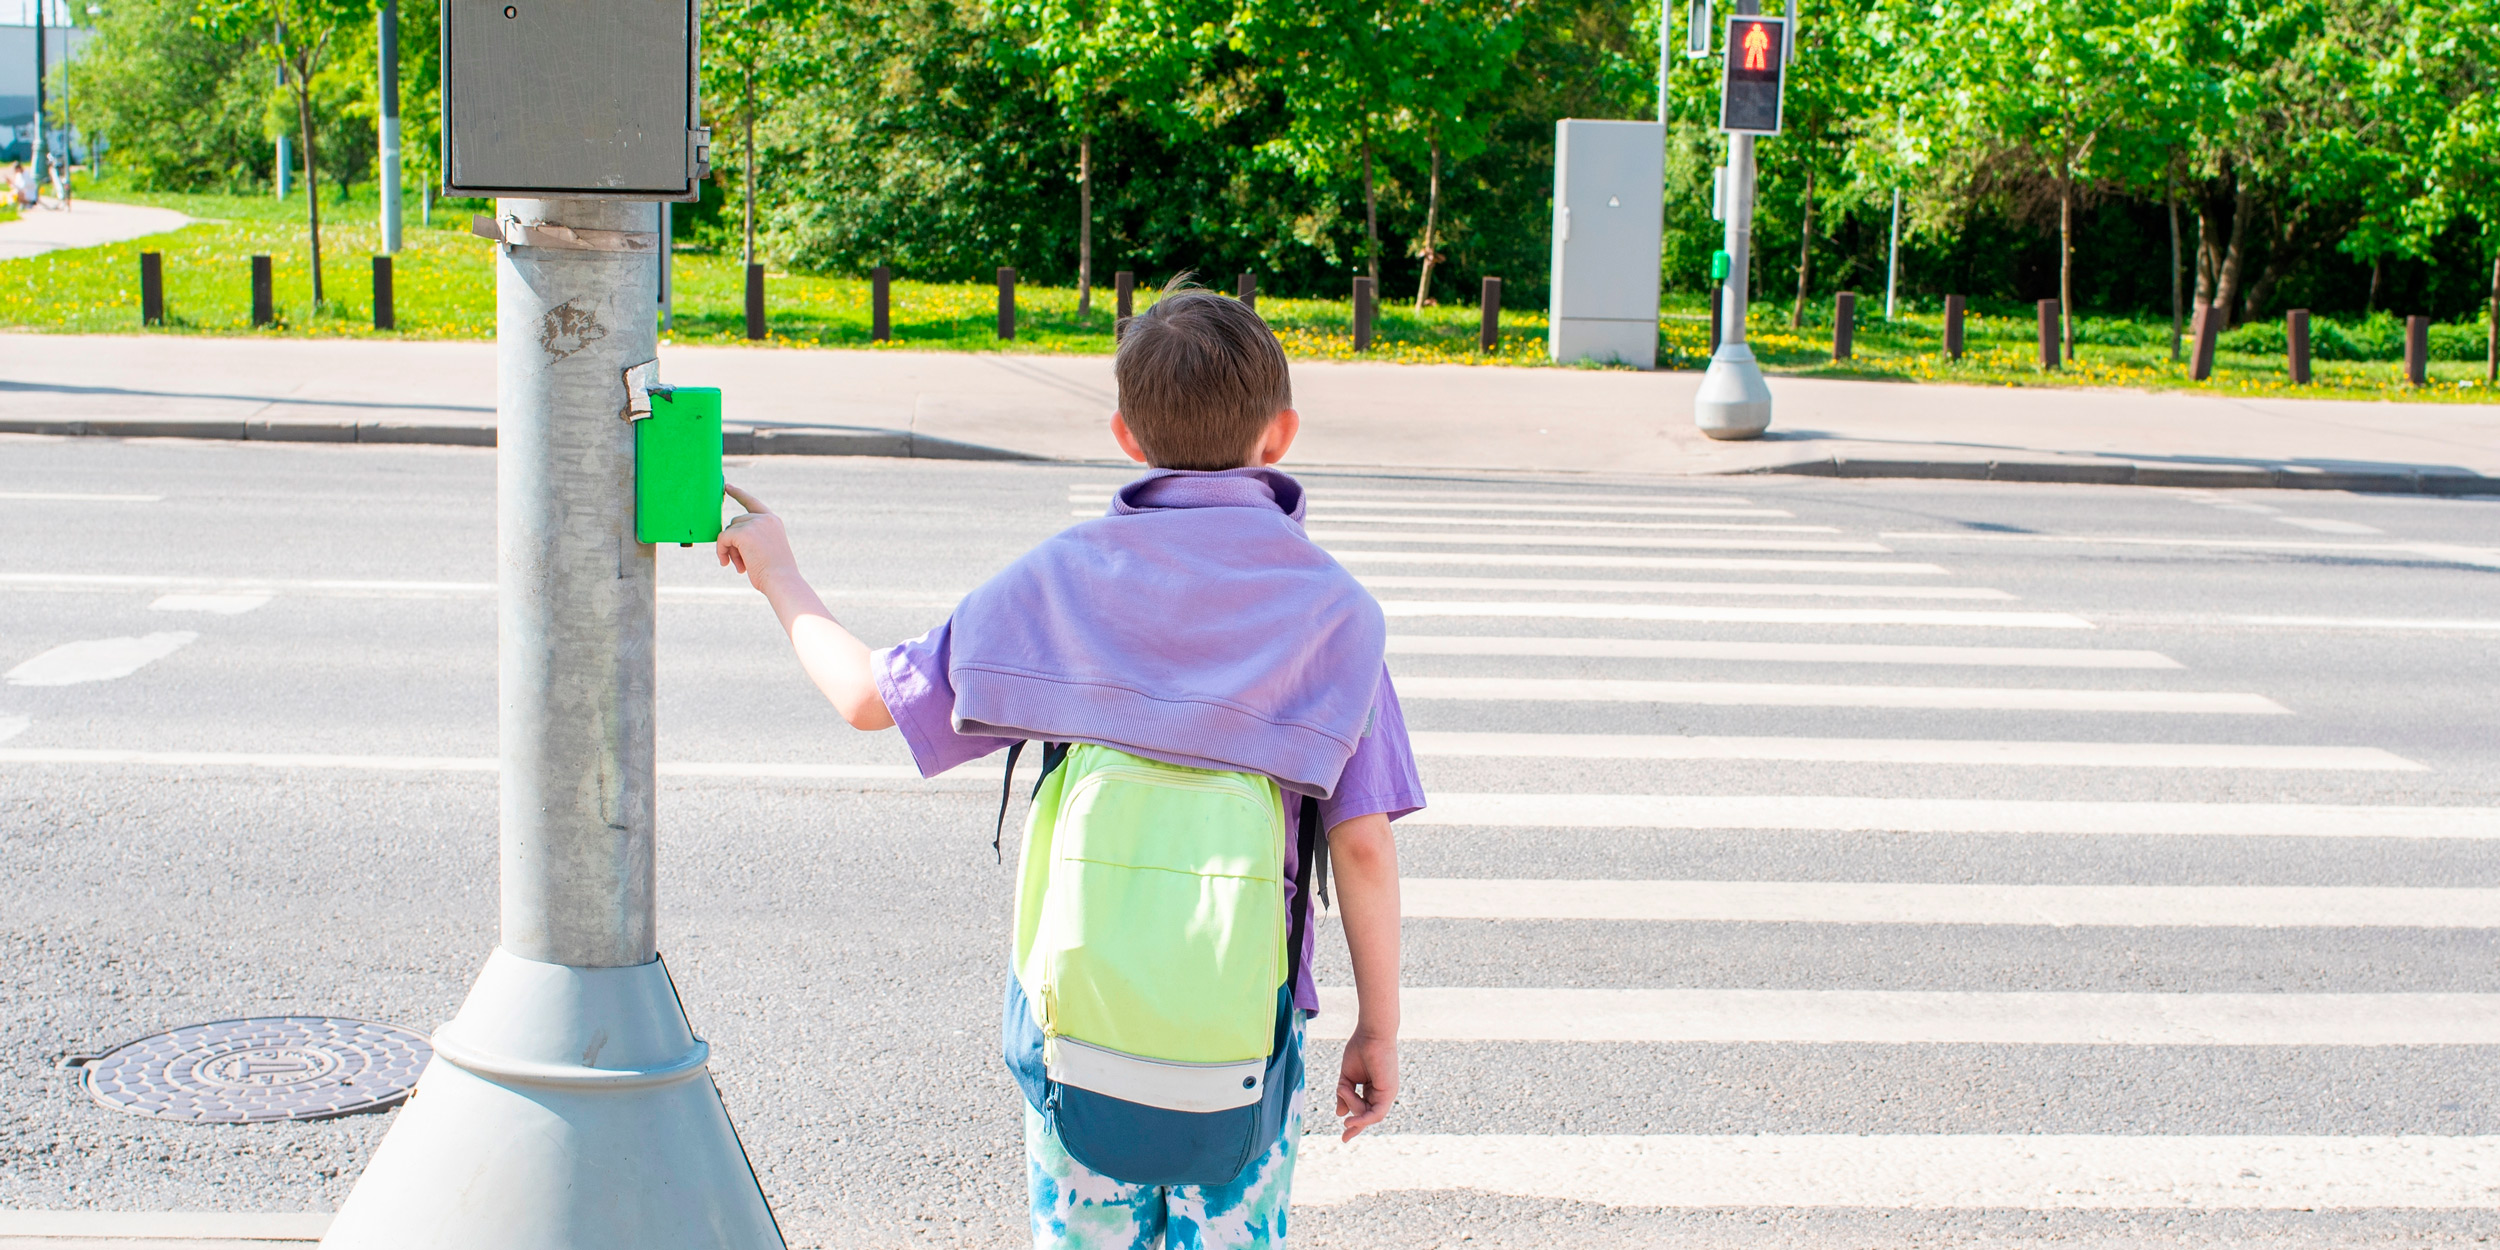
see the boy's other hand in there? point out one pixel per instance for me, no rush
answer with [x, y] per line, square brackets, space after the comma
[1367, 1082]
[755, 544]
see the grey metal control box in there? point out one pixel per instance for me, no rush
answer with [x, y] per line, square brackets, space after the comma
[1609, 213]
[573, 99]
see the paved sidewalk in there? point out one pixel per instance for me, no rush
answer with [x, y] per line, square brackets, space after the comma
[159, 1230]
[1439, 417]
[85, 223]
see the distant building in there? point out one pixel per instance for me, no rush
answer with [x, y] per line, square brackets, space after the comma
[17, 88]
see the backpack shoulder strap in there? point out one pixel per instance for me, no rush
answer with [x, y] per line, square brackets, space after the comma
[1307, 847]
[1053, 755]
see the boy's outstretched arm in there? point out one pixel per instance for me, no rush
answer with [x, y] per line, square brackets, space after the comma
[1364, 856]
[838, 663]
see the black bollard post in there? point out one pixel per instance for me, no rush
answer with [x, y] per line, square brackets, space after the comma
[1247, 288]
[2418, 351]
[264, 298]
[1362, 314]
[152, 288]
[1489, 335]
[880, 304]
[1718, 316]
[2296, 344]
[383, 316]
[755, 301]
[1006, 302]
[2208, 328]
[1844, 324]
[2048, 334]
[1953, 306]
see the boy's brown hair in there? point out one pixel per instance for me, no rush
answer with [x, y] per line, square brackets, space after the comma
[1200, 377]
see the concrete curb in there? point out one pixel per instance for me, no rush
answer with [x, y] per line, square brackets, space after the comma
[736, 440]
[187, 1228]
[2396, 481]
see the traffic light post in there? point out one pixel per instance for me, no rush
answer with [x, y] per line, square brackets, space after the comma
[1733, 401]
[569, 1104]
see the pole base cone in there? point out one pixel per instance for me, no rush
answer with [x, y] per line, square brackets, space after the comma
[1733, 401]
[565, 1109]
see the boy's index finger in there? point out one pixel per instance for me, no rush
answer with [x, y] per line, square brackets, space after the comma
[746, 501]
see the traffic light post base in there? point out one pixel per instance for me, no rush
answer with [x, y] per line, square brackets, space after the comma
[1733, 402]
[565, 1109]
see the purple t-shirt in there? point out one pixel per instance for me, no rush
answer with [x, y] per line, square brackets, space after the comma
[1380, 778]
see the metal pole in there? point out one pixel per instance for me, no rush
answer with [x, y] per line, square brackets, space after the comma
[1892, 262]
[35, 151]
[286, 164]
[668, 252]
[568, 1105]
[1666, 35]
[1733, 402]
[389, 41]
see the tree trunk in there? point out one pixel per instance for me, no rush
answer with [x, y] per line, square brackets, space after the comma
[312, 175]
[749, 174]
[1371, 212]
[2378, 265]
[2277, 267]
[2177, 311]
[2208, 246]
[2491, 345]
[1432, 219]
[1084, 226]
[2066, 258]
[2234, 260]
[1805, 256]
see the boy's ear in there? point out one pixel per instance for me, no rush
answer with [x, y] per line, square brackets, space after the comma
[1278, 439]
[1127, 438]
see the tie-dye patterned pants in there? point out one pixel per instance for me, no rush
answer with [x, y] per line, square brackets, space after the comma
[1077, 1208]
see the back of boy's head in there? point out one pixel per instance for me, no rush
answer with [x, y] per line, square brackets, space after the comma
[1200, 377]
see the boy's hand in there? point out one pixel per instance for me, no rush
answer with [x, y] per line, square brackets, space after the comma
[754, 544]
[1367, 1082]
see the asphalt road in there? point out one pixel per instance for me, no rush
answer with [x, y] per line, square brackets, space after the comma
[1594, 1049]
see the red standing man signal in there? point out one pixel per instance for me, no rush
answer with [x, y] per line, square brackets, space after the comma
[1749, 98]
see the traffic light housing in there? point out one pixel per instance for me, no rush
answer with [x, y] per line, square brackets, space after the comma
[1757, 63]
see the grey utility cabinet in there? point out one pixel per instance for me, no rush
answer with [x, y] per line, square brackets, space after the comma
[1609, 210]
[572, 99]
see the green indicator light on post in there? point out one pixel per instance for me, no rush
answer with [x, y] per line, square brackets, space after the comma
[677, 469]
[1719, 262]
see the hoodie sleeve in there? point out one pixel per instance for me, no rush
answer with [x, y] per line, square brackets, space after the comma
[911, 677]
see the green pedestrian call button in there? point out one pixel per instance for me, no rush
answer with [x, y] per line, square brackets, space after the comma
[1719, 262]
[677, 471]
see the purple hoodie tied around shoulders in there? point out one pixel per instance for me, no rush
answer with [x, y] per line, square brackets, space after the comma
[1195, 623]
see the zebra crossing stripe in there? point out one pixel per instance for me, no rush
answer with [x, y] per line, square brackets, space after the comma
[1627, 586]
[1918, 1171]
[1982, 752]
[1935, 617]
[1695, 543]
[1836, 814]
[1923, 903]
[1785, 694]
[1716, 564]
[1776, 652]
[1925, 1017]
[1504, 522]
[1102, 494]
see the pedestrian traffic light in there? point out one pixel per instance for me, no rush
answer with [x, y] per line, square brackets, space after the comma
[1757, 60]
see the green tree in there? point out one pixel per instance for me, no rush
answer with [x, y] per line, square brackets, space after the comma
[298, 36]
[180, 107]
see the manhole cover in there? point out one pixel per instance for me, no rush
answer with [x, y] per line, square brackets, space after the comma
[271, 1068]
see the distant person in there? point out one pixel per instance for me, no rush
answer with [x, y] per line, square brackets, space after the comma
[1218, 725]
[24, 191]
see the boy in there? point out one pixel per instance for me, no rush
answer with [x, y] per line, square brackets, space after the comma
[1194, 625]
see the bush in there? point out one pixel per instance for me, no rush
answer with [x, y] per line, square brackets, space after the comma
[181, 109]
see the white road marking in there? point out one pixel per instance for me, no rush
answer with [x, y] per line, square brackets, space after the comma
[1981, 753]
[2328, 525]
[1333, 518]
[48, 496]
[1614, 585]
[98, 659]
[1716, 564]
[128, 1227]
[222, 605]
[2367, 622]
[1580, 540]
[1850, 814]
[1929, 1017]
[1919, 903]
[1786, 694]
[1333, 501]
[1918, 1172]
[1102, 494]
[1778, 652]
[1761, 616]
[2485, 557]
[12, 726]
[435, 763]
[334, 588]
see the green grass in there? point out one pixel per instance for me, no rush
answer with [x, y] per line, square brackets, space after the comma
[444, 289]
